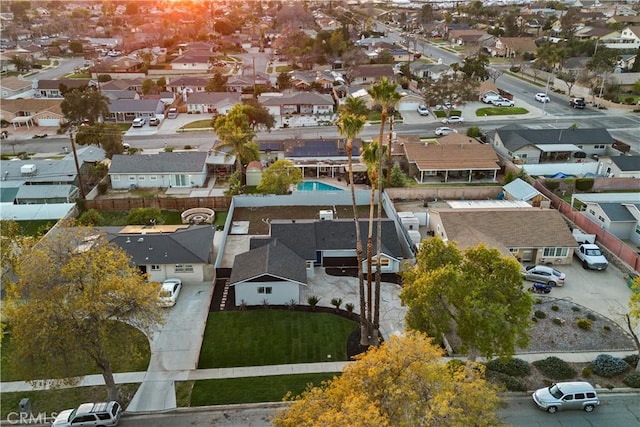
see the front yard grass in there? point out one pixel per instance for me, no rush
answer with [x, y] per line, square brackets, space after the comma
[273, 337]
[441, 114]
[247, 390]
[50, 401]
[500, 111]
[198, 124]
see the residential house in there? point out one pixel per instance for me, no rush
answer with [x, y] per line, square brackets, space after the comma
[515, 231]
[272, 273]
[134, 85]
[454, 158]
[620, 218]
[53, 88]
[307, 80]
[196, 62]
[629, 39]
[166, 251]
[429, 71]
[532, 146]
[239, 83]
[512, 47]
[467, 37]
[626, 62]
[625, 81]
[186, 169]
[370, 74]
[32, 112]
[187, 84]
[523, 191]
[620, 167]
[110, 65]
[409, 100]
[287, 103]
[212, 102]
[125, 110]
[372, 42]
[12, 87]
[113, 95]
[595, 33]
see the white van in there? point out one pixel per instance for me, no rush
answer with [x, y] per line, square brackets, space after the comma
[568, 395]
[172, 113]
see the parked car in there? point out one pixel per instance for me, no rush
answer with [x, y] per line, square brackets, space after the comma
[544, 274]
[487, 98]
[90, 414]
[423, 110]
[154, 121]
[502, 102]
[444, 130]
[542, 97]
[169, 292]
[453, 119]
[577, 103]
[567, 395]
[138, 122]
[4, 134]
[172, 113]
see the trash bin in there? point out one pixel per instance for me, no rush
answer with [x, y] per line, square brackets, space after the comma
[25, 406]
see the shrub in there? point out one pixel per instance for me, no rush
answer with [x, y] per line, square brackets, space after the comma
[336, 302]
[555, 308]
[102, 188]
[187, 147]
[144, 216]
[514, 69]
[534, 320]
[511, 367]
[90, 217]
[474, 132]
[584, 324]
[349, 307]
[632, 380]
[632, 359]
[576, 309]
[584, 184]
[552, 184]
[555, 368]
[591, 317]
[586, 372]
[540, 314]
[510, 383]
[313, 300]
[606, 328]
[558, 321]
[609, 366]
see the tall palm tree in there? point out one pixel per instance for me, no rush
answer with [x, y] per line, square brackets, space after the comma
[350, 125]
[235, 133]
[383, 93]
[372, 154]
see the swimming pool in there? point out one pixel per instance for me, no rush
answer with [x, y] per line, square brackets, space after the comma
[316, 186]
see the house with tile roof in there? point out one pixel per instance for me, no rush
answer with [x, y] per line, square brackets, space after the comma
[466, 37]
[515, 231]
[454, 158]
[511, 47]
[13, 87]
[212, 102]
[185, 169]
[197, 61]
[622, 219]
[165, 251]
[370, 74]
[187, 84]
[32, 112]
[122, 84]
[533, 146]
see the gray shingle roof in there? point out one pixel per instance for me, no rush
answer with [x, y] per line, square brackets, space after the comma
[213, 97]
[627, 163]
[45, 191]
[617, 212]
[134, 105]
[297, 98]
[189, 81]
[515, 138]
[179, 162]
[190, 245]
[274, 259]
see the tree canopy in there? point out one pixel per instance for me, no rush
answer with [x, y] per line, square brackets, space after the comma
[81, 287]
[450, 89]
[108, 136]
[236, 134]
[84, 104]
[479, 291]
[278, 177]
[401, 383]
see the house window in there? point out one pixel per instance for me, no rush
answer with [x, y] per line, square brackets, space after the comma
[430, 173]
[264, 289]
[598, 147]
[592, 212]
[141, 178]
[132, 178]
[555, 252]
[115, 177]
[153, 178]
[155, 267]
[184, 268]
[310, 264]
[523, 155]
[181, 180]
[601, 218]
[384, 262]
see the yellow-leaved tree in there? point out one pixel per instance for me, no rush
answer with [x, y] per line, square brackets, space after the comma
[72, 294]
[633, 317]
[404, 382]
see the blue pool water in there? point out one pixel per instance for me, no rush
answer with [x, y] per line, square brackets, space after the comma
[316, 186]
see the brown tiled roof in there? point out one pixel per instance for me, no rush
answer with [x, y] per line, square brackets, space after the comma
[13, 83]
[523, 44]
[34, 105]
[512, 228]
[454, 156]
[69, 83]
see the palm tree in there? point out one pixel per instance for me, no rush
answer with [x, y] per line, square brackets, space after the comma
[350, 125]
[235, 133]
[354, 106]
[383, 93]
[372, 155]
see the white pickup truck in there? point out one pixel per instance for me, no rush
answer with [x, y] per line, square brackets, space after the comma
[591, 257]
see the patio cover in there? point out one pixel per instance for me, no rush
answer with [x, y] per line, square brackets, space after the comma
[557, 147]
[21, 119]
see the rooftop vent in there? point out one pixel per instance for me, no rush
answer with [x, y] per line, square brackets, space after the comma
[29, 169]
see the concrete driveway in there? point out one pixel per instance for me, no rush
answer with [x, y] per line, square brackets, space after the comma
[175, 348]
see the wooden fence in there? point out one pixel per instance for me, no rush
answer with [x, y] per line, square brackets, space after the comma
[164, 203]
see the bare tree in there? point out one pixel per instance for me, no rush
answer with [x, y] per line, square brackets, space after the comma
[494, 74]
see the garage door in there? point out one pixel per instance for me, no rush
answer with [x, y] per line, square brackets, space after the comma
[49, 122]
[403, 106]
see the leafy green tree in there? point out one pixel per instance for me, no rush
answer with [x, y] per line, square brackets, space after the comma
[108, 136]
[75, 46]
[81, 287]
[91, 218]
[84, 104]
[218, 83]
[569, 77]
[398, 178]
[450, 90]
[284, 81]
[258, 115]
[103, 78]
[603, 61]
[352, 118]
[235, 133]
[279, 177]
[22, 64]
[426, 14]
[147, 84]
[480, 291]
[475, 67]
[404, 382]
[144, 216]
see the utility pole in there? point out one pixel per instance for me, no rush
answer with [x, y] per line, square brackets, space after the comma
[75, 159]
[388, 177]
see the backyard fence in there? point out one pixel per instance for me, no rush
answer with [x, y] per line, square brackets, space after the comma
[163, 203]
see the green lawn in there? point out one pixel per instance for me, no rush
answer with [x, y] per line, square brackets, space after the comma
[51, 401]
[249, 390]
[500, 111]
[36, 226]
[120, 218]
[122, 332]
[441, 114]
[198, 124]
[272, 337]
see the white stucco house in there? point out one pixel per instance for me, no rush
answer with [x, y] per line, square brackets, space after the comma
[162, 170]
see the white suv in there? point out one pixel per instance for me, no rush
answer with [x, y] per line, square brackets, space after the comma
[138, 122]
[542, 97]
[90, 414]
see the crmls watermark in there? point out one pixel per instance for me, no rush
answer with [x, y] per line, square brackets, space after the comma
[22, 418]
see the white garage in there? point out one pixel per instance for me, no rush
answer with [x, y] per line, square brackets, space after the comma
[53, 122]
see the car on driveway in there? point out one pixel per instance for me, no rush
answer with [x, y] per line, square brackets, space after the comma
[444, 130]
[169, 292]
[502, 102]
[544, 274]
[138, 122]
[452, 120]
[542, 97]
[423, 110]
[154, 121]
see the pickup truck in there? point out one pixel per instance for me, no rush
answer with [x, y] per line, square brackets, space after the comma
[591, 257]
[577, 103]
